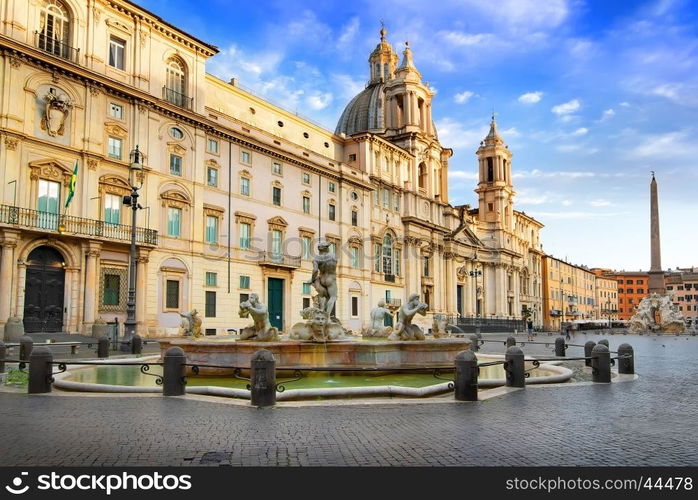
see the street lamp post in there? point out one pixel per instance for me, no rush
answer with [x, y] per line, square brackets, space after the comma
[562, 305]
[135, 171]
[608, 308]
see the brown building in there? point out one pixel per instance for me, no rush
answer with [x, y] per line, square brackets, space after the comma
[632, 288]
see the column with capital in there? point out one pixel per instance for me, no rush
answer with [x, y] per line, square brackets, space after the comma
[7, 260]
[141, 286]
[72, 294]
[92, 252]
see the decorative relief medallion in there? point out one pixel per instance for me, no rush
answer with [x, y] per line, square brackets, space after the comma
[56, 109]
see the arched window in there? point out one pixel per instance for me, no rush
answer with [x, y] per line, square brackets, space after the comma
[176, 82]
[388, 254]
[386, 75]
[54, 28]
[490, 170]
[422, 172]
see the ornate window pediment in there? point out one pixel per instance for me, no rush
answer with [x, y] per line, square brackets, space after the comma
[175, 199]
[244, 217]
[113, 23]
[355, 240]
[277, 223]
[116, 130]
[212, 164]
[213, 210]
[111, 184]
[246, 174]
[50, 169]
[176, 148]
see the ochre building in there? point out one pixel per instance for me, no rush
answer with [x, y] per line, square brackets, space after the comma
[235, 192]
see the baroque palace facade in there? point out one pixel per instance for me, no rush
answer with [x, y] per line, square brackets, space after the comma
[235, 191]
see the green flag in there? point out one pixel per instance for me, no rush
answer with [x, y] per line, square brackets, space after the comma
[71, 186]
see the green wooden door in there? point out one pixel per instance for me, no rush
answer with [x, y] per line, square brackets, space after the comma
[275, 292]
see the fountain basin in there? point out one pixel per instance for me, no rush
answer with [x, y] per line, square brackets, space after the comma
[127, 379]
[341, 353]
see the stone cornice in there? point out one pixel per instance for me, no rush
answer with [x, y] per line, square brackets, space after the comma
[33, 56]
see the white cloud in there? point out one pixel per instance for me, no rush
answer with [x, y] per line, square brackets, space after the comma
[569, 118]
[566, 108]
[568, 148]
[453, 134]
[347, 86]
[600, 203]
[462, 175]
[531, 97]
[576, 215]
[510, 132]
[568, 174]
[671, 144]
[527, 13]
[462, 39]
[608, 114]
[580, 131]
[463, 97]
[319, 100]
[625, 104]
[346, 37]
[567, 203]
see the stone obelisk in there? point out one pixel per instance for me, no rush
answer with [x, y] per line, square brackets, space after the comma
[656, 284]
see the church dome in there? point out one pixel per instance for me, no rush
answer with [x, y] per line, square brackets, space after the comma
[365, 112]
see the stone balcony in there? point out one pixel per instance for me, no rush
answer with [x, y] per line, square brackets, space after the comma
[69, 225]
[275, 259]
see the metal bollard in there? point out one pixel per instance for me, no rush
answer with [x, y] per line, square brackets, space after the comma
[604, 342]
[263, 379]
[510, 341]
[588, 347]
[103, 347]
[626, 365]
[3, 355]
[466, 376]
[173, 381]
[26, 344]
[601, 364]
[136, 344]
[474, 343]
[40, 371]
[560, 347]
[516, 374]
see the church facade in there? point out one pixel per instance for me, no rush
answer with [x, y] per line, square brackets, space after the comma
[235, 192]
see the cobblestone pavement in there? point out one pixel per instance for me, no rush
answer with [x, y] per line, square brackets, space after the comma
[650, 421]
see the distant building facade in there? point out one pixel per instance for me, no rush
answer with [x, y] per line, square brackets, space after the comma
[570, 293]
[682, 284]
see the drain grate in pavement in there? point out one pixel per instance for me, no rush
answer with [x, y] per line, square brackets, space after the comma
[215, 458]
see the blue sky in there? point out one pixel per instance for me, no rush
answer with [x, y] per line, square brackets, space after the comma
[590, 97]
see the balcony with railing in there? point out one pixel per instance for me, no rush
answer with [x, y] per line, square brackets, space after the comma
[56, 47]
[393, 303]
[177, 98]
[47, 222]
[278, 260]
